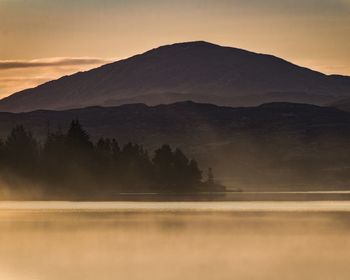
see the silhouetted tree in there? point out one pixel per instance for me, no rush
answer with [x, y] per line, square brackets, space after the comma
[70, 164]
[163, 164]
[181, 172]
[103, 146]
[54, 157]
[195, 173]
[55, 145]
[80, 152]
[78, 138]
[134, 165]
[210, 177]
[174, 171]
[115, 149]
[21, 150]
[104, 163]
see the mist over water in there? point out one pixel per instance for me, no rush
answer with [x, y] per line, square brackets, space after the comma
[189, 240]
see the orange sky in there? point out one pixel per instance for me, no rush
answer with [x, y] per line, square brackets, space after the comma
[45, 39]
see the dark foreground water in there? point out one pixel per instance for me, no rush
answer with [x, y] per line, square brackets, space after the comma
[190, 240]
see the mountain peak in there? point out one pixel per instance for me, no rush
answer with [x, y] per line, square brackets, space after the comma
[186, 48]
[191, 44]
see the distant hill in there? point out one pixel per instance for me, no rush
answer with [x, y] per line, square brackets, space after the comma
[197, 71]
[272, 143]
[343, 104]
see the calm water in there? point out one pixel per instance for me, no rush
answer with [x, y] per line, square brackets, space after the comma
[169, 240]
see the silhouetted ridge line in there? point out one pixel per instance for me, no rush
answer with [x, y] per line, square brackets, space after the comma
[197, 71]
[269, 145]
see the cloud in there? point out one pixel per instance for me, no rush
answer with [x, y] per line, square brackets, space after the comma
[17, 75]
[50, 62]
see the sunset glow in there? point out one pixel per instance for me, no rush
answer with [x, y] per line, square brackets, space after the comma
[43, 40]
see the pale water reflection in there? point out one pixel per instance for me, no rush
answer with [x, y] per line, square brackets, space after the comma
[324, 206]
[193, 240]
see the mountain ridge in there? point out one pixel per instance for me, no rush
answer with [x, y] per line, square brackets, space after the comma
[200, 71]
[270, 143]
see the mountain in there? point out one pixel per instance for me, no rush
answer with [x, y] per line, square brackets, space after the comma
[343, 104]
[265, 145]
[197, 71]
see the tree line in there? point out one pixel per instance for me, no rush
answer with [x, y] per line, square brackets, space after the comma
[69, 162]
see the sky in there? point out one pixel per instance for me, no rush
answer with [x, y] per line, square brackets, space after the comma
[41, 40]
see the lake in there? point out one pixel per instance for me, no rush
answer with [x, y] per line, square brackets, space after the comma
[175, 240]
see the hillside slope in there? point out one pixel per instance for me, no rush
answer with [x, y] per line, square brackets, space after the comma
[197, 71]
[277, 143]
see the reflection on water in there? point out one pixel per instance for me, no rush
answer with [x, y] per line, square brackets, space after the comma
[172, 242]
[323, 206]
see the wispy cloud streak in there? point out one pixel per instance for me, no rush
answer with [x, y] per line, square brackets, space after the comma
[16, 75]
[50, 62]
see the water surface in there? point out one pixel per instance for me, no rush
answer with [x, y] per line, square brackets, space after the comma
[169, 240]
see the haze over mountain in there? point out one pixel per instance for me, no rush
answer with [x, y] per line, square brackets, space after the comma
[281, 143]
[197, 71]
